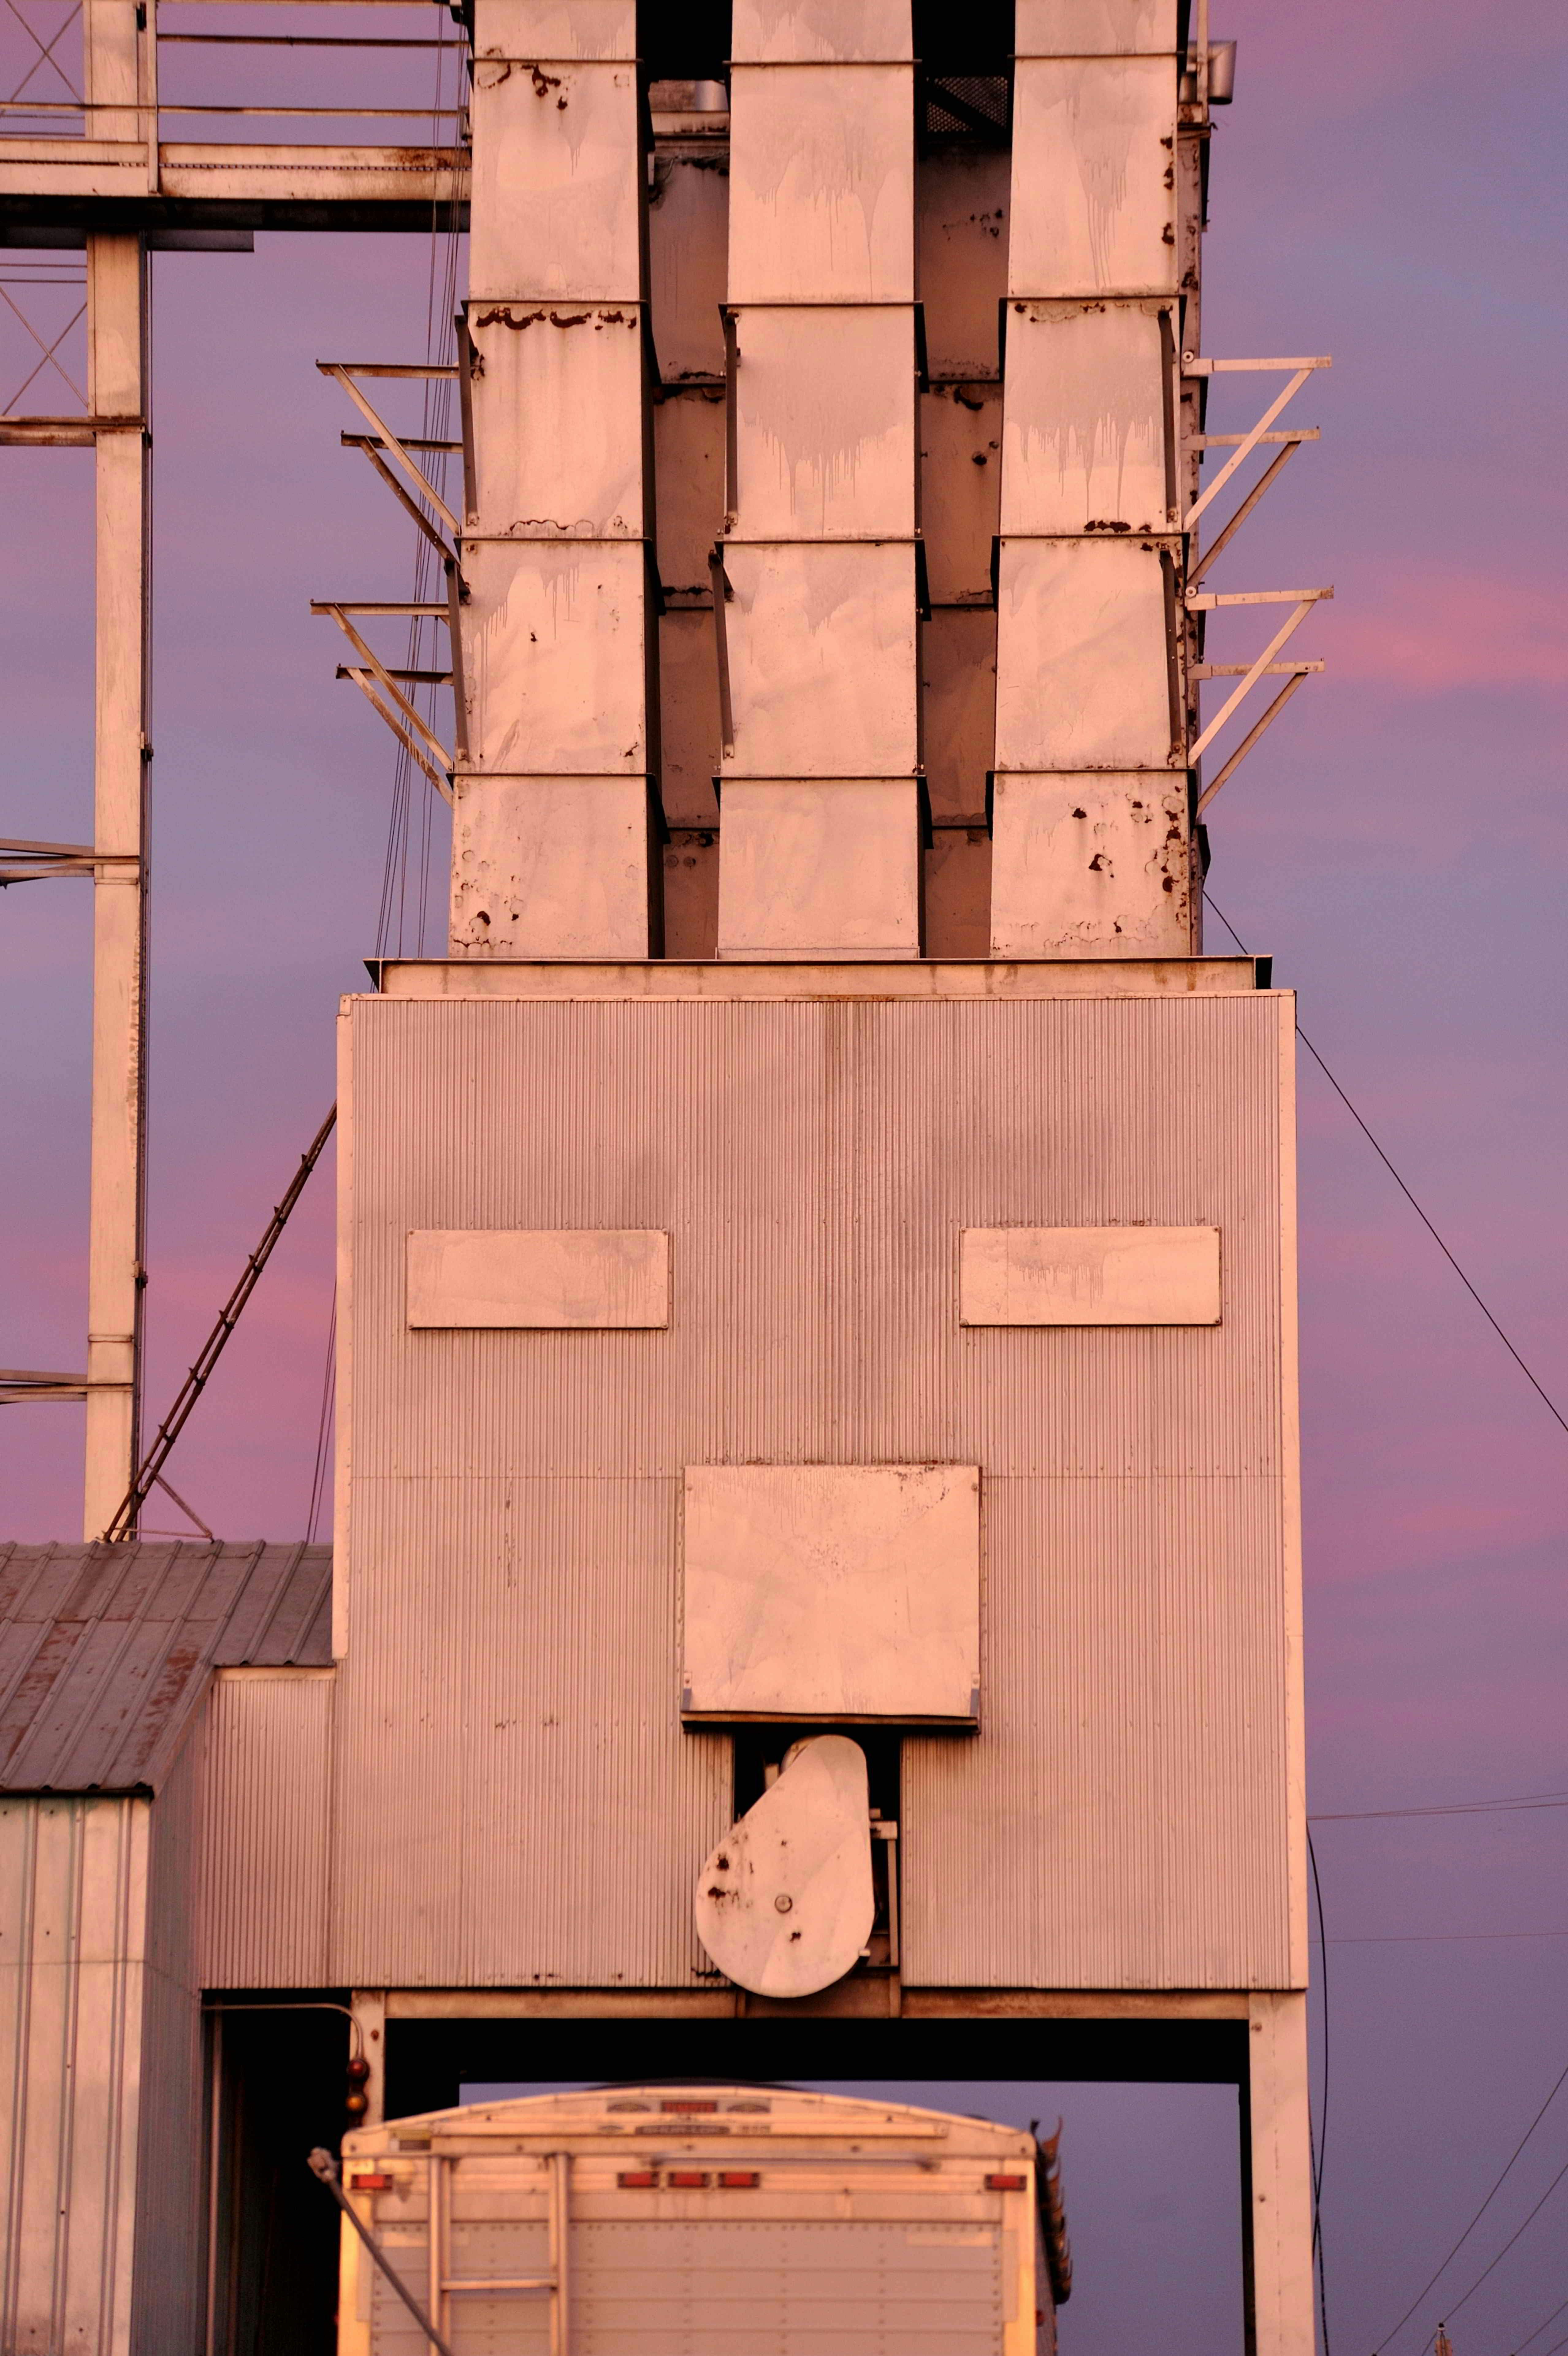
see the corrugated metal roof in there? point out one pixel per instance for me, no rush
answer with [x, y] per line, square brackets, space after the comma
[105, 1650]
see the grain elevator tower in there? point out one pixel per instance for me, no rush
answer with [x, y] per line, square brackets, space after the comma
[816, 1562]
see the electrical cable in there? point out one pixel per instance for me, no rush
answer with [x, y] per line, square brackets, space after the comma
[324, 1427]
[1539, 2327]
[1476, 2219]
[1455, 2305]
[1550, 1404]
[1449, 1808]
[1319, 2143]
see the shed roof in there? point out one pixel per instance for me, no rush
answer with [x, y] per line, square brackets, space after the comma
[106, 1650]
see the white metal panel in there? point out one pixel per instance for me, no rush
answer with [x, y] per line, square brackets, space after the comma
[688, 457]
[689, 229]
[1093, 203]
[822, 183]
[831, 1590]
[958, 712]
[556, 198]
[784, 1902]
[963, 199]
[1084, 441]
[820, 869]
[557, 419]
[538, 1276]
[1089, 1276]
[73, 1876]
[821, 645]
[553, 652]
[1082, 661]
[555, 28]
[766, 33]
[1094, 865]
[825, 402]
[960, 486]
[814, 1157]
[552, 866]
[266, 1859]
[1076, 28]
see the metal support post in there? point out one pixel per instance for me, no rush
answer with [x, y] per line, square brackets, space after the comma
[1277, 2154]
[117, 386]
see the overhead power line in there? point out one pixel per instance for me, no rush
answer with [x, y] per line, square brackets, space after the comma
[1552, 1406]
[1476, 2219]
[1445, 1808]
[1539, 2327]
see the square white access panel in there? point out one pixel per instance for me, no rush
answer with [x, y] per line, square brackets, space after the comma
[1089, 1276]
[832, 1591]
[554, 1277]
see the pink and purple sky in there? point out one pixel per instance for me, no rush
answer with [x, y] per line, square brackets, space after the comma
[1389, 186]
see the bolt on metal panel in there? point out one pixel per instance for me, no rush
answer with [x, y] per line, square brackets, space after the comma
[554, 389]
[821, 184]
[1094, 204]
[824, 868]
[1083, 656]
[1097, 865]
[1086, 439]
[825, 406]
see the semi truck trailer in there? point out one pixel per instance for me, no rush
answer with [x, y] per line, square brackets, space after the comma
[699, 2221]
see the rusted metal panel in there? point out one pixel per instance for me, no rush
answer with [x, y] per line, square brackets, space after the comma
[555, 209]
[821, 644]
[73, 1876]
[555, 387]
[820, 868]
[266, 1847]
[553, 658]
[474, 1277]
[1086, 443]
[1138, 1482]
[824, 405]
[821, 184]
[688, 718]
[555, 28]
[1089, 1276]
[689, 229]
[958, 715]
[691, 894]
[106, 1650]
[963, 199]
[957, 885]
[1099, 864]
[830, 1591]
[688, 457]
[550, 867]
[1082, 655]
[960, 490]
[1094, 204]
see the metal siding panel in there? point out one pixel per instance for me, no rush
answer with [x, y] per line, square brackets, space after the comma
[688, 454]
[689, 719]
[825, 401]
[689, 231]
[961, 200]
[821, 184]
[958, 715]
[266, 1830]
[1094, 204]
[558, 399]
[1078, 28]
[814, 1163]
[1083, 656]
[553, 657]
[822, 661]
[556, 203]
[818, 868]
[1094, 865]
[71, 2001]
[1083, 439]
[169, 2284]
[549, 866]
[960, 490]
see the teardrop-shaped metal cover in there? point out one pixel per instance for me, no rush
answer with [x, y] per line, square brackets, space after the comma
[785, 1904]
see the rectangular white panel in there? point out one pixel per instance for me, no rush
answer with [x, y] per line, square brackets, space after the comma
[1094, 201]
[825, 423]
[1083, 438]
[1094, 865]
[551, 867]
[557, 200]
[821, 644]
[831, 1590]
[765, 33]
[1077, 29]
[502, 1277]
[558, 404]
[820, 869]
[822, 183]
[555, 28]
[1082, 659]
[553, 657]
[1089, 1276]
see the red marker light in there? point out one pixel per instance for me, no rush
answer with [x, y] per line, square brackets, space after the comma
[740, 2179]
[689, 2106]
[370, 2183]
[687, 2179]
[638, 2179]
[1005, 2183]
